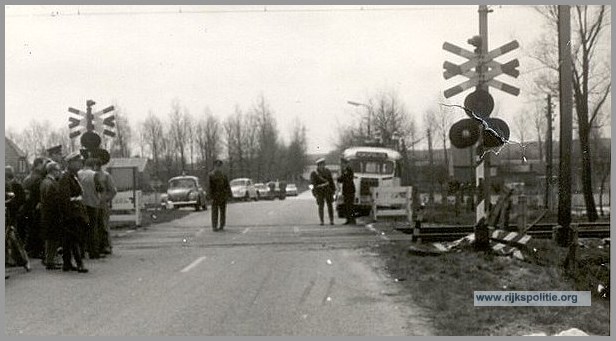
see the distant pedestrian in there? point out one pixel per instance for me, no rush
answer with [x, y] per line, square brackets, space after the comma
[348, 190]
[74, 215]
[91, 199]
[107, 194]
[323, 189]
[219, 192]
[35, 243]
[51, 214]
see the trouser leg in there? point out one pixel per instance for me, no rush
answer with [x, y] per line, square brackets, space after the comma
[320, 203]
[330, 209]
[51, 251]
[223, 213]
[215, 209]
[92, 240]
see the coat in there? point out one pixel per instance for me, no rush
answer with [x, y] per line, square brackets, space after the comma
[323, 182]
[219, 190]
[74, 215]
[51, 214]
[346, 178]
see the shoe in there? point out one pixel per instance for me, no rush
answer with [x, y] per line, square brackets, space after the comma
[321, 224]
[81, 269]
[27, 266]
[95, 257]
[69, 268]
[331, 223]
[346, 222]
[52, 267]
[106, 252]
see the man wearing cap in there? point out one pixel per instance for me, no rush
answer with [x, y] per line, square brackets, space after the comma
[323, 189]
[348, 190]
[74, 215]
[219, 191]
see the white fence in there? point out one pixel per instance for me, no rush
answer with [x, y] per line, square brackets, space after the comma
[127, 206]
[392, 202]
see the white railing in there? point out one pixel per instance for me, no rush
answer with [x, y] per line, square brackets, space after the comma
[127, 201]
[392, 202]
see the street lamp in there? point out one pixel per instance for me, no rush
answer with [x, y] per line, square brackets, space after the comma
[357, 104]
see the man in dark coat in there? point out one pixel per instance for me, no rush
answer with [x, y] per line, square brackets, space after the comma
[35, 243]
[219, 192]
[74, 214]
[323, 188]
[51, 215]
[348, 190]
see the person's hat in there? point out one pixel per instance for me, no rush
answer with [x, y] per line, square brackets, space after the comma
[76, 155]
[320, 160]
[51, 166]
[54, 150]
[218, 162]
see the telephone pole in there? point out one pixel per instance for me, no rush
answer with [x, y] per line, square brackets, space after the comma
[566, 123]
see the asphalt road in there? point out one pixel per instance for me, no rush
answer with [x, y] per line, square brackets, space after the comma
[273, 271]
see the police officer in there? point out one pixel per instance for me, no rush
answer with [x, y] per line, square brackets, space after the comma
[323, 189]
[219, 192]
[348, 190]
[75, 217]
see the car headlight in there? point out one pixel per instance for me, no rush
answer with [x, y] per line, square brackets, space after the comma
[192, 196]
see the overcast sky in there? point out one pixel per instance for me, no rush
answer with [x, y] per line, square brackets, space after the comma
[306, 61]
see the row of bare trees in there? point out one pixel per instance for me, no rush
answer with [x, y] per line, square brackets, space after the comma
[249, 140]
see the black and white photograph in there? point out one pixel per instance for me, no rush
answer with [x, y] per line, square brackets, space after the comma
[307, 170]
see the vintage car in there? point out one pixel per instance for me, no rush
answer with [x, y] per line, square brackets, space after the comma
[263, 192]
[243, 189]
[185, 191]
[291, 190]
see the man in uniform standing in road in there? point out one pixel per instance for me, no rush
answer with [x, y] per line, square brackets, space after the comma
[219, 192]
[323, 189]
[107, 194]
[348, 190]
[92, 200]
[75, 217]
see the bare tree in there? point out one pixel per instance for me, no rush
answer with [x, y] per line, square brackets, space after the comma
[268, 138]
[591, 76]
[179, 122]
[430, 125]
[120, 145]
[207, 136]
[152, 131]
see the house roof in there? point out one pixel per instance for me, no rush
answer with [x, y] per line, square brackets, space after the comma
[14, 146]
[139, 162]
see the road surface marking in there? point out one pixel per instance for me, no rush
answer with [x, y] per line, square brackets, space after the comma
[193, 264]
[245, 230]
[296, 229]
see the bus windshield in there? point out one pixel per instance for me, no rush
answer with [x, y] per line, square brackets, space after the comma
[373, 167]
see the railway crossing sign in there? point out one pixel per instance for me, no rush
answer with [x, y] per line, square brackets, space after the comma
[95, 125]
[91, 122]
[481, 69]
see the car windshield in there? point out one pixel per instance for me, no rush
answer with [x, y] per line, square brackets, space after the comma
[182, 183]
[260, 186]
[239, 182]
[291, 186]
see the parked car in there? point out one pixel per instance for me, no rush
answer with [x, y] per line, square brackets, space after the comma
[291, 190]
[263, 192]
[278, 189]
[185, 190]
[243, 189]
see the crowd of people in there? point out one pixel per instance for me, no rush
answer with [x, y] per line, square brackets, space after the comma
[63, 205]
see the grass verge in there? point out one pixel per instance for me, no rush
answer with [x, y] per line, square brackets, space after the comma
[444, 285]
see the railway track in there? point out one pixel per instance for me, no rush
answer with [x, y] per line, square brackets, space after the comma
[541, 231]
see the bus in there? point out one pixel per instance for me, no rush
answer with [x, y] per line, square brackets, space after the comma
[373, 167]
